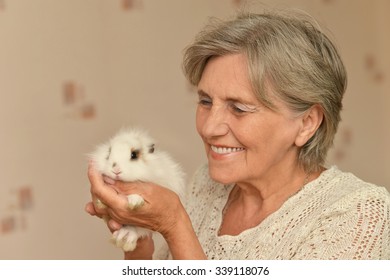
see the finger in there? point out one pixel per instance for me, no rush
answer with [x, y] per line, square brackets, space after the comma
[135, 187]
[108, 180]
[107, 195]
[113, 225]
[90, 209]
[94, 176]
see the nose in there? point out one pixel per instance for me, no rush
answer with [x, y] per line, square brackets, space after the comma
[115, 169]
[214, 122]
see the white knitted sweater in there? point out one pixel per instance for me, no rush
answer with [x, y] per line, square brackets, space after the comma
[336, 216]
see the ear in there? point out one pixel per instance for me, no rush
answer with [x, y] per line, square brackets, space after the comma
[311, 121]
[151, 149]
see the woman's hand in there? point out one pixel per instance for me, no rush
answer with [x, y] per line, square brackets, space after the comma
[158, 213]
[112, 224]
[145, 245]
[162, 212]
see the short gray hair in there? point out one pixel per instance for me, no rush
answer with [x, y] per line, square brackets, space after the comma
[287, 52]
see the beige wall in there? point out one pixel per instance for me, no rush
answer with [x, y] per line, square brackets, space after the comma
[72, 72]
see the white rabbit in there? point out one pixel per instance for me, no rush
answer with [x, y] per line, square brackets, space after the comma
[131, 156]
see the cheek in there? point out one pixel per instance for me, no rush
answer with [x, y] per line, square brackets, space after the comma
[273, 143]
[200, 120]
[261, 140]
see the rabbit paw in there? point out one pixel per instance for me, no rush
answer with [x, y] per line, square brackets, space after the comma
[126, 238]
[135, 201]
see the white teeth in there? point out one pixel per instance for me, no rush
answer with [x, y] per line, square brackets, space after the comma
[225, 150]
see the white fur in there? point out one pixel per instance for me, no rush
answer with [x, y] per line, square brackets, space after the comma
[113, 159]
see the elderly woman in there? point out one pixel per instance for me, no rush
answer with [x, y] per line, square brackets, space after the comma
[270, 90]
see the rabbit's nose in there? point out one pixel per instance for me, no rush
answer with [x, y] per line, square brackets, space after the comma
[115, 169]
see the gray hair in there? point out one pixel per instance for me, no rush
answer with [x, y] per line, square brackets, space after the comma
[288, 53]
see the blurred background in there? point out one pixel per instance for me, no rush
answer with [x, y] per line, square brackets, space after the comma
[73, 72]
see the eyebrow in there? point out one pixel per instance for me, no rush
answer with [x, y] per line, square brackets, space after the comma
[202, 93]
[230, 99]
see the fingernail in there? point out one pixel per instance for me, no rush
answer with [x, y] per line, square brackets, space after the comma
[108, 180]
[87, 209]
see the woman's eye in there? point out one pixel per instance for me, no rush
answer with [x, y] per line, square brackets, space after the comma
[237, 109]
[242, 108]
[205, 101]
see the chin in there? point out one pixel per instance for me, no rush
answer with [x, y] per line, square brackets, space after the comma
[221, 176]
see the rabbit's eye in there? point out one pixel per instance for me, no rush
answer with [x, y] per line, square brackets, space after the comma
[134, 154]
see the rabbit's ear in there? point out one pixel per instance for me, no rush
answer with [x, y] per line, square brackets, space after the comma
[151, 149]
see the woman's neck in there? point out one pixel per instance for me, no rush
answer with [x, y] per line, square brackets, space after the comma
[250, 204]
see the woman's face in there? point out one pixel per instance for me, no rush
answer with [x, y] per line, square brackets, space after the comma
[244, 141]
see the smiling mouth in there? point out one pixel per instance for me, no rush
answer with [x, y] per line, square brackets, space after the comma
[225, 150]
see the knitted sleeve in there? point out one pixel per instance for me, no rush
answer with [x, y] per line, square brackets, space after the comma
[357, 227]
